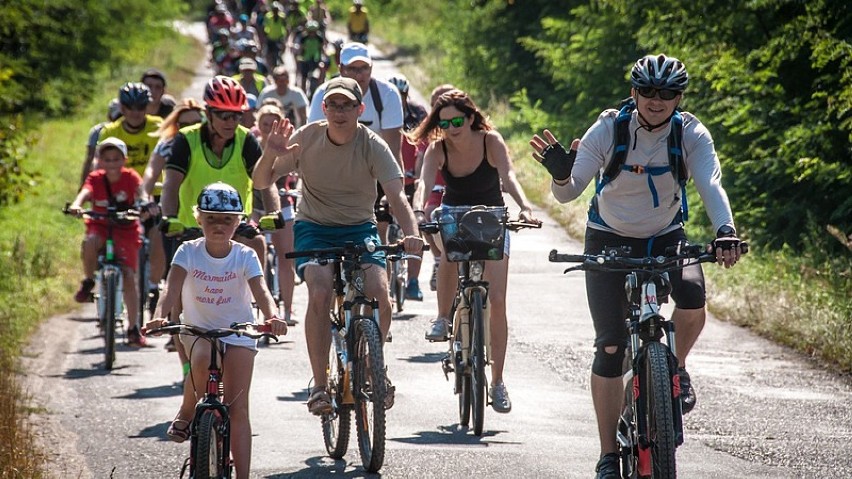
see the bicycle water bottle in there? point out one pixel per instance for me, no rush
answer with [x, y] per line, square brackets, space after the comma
[110, 250]
[448, 225]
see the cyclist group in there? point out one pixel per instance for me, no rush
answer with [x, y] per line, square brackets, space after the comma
[380, 144]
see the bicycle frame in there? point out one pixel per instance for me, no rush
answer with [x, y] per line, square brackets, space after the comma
[212, 399]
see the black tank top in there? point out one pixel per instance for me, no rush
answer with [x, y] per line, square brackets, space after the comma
[482, 187]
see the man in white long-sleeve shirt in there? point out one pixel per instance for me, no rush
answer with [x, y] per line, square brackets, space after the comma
[640, 202]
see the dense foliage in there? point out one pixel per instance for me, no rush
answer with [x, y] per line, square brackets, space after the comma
[772, 79]
[49, 53]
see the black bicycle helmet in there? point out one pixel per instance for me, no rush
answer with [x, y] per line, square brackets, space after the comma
[659, 71]
[134, 94]
[400, 82]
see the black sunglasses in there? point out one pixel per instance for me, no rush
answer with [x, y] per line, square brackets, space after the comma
[651, 92]
[227, 115]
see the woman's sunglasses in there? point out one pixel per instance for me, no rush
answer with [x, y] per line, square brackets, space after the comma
[651, 92]
[457, 122]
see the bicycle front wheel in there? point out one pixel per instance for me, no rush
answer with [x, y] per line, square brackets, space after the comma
[656, 377]
[111, 292]
[211, 457]
[370, 391]
[142, 282]
[477, 361]
[335, 426]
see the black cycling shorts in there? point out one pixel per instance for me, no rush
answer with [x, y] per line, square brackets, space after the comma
[607, 300]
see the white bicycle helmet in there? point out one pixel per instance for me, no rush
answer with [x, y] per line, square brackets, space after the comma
[400, 82]
[659, 71]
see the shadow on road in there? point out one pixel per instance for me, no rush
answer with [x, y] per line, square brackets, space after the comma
[454, 434]
[323, 466]
[426, 358]
[298, 396]
[157, 431]
[166, 390]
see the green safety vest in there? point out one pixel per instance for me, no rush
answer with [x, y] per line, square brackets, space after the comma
[205, 168]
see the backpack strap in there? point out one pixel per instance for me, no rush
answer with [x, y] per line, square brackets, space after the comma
[621, 144]
[377, 99]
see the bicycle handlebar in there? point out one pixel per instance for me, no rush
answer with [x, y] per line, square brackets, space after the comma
[238, 329]
[354, 251]
[615, 259]
[433, 227]
[109, 215]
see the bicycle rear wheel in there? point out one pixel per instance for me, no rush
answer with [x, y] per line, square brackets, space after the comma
[477, 361]
[211, 457]
[110, 285]
[335, 426]
[656, 377]
[370, 390]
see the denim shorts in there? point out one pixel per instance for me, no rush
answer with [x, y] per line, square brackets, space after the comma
[309, 236]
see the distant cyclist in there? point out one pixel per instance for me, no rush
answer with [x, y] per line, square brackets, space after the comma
[293, 100]
[414, 113]
[161, 102]
[112, 185]
[113, 113]
[358, 24]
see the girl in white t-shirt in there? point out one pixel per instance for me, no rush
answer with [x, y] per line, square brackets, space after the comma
[215, 278]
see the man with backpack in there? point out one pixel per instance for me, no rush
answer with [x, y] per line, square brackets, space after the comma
[643, 155]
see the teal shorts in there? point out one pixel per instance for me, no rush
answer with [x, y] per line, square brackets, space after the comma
[309, 236]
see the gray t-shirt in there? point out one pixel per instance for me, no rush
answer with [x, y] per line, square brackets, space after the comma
[626, 203]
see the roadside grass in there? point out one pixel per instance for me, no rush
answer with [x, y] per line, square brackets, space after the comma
[39, 246]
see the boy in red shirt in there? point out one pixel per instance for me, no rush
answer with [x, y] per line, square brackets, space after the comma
[112, 183]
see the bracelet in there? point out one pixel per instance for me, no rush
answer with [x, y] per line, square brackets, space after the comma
[563, 182]
[418, 211]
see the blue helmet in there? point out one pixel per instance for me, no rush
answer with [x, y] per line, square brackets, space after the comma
[134, 94]
[659, 71]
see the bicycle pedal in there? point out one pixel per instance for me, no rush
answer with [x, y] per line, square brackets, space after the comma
[447, 366]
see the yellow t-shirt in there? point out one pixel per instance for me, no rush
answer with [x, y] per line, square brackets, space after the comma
[357, 20]
[139, 145]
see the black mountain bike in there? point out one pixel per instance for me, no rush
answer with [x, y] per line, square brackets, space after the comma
[651, 424]
[356, 370]
[471, 236]
[210, 430]
[108, 278]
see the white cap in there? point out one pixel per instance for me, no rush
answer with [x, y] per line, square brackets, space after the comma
[114, 143]
[354, 52]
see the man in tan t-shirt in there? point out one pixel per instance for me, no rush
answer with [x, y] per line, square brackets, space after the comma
[339, 162]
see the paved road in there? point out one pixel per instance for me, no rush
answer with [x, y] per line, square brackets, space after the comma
[763, 411]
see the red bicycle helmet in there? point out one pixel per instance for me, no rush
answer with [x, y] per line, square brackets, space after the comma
[226, 94]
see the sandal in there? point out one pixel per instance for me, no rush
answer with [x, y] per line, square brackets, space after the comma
[320, 402]
[178, 434]
[390, 394]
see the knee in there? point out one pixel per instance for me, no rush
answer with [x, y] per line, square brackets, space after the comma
[608, 361]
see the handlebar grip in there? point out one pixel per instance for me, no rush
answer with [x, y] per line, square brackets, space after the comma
[264, 328]
[555, 257]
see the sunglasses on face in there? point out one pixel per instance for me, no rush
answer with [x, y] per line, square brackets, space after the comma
[456, 122]
[136, 107]
[227, 115]
[341, 107]
[651, 92]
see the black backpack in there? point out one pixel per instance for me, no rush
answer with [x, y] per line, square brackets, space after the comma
[616, 165]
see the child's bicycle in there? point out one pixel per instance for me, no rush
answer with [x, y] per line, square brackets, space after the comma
[651, 425]
[210, 430]
[356, 370]
[471, 236]
[108, 278]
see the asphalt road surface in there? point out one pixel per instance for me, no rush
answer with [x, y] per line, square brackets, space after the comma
[763, 411]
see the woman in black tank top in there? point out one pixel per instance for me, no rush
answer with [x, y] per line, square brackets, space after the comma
[474, 162]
